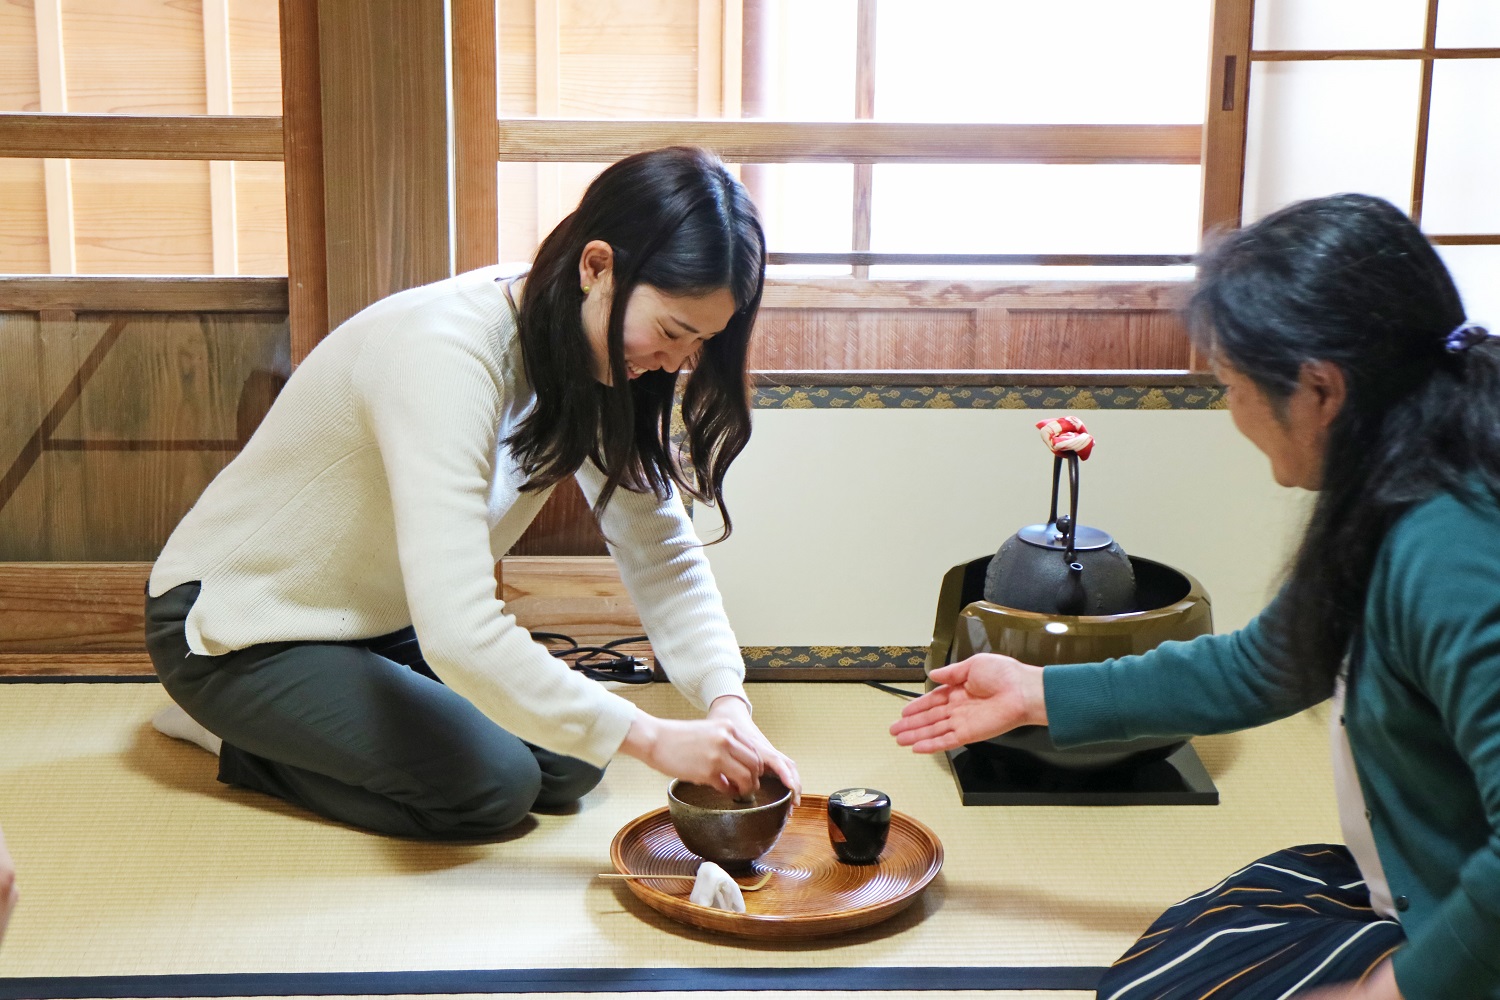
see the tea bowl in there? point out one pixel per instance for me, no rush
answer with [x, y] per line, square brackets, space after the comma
[729, 832]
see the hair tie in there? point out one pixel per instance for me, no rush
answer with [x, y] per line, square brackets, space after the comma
[1465, 337]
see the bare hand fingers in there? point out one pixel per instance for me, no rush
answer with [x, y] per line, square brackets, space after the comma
[921, 720]
[937, 696]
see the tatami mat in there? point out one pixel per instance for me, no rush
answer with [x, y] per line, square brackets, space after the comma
[134, 861]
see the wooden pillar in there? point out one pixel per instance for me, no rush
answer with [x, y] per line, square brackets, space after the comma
[1224, 122]
[302, 158]
[758, 87]
[477, 135]
[383, 74]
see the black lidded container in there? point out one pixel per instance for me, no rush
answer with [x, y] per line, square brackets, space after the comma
[858, 821]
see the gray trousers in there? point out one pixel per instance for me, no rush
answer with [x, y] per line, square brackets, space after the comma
[360, 732]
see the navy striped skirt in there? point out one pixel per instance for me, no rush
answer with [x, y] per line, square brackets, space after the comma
[1291, 921]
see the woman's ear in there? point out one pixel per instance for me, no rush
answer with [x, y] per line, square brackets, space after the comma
[1327, 390]
[594, 265]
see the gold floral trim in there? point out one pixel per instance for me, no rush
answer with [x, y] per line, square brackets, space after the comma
[834, 656]
[993, 397]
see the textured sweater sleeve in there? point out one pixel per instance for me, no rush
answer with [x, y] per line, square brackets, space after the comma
[433, 406]
[1437, 592]
[1211, 684]
[663, 566]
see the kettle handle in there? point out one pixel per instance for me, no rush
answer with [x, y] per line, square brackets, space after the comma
[1071, 531]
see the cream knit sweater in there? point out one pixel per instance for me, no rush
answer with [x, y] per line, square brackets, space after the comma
[378, 493]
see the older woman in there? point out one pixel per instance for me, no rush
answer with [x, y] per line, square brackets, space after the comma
[1350, 364]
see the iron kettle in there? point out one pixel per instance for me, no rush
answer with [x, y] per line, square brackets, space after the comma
[1062, 567]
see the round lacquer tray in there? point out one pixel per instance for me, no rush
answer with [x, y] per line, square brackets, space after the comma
[810, 892]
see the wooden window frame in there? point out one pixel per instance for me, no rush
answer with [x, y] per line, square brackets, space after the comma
[1226, 128]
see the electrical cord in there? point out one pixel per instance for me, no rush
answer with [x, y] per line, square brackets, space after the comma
[600, 663]
[877, 685]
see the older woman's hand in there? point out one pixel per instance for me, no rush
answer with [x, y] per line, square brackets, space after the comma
[983, 696]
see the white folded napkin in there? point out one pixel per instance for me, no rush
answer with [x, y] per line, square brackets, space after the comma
[714, 888]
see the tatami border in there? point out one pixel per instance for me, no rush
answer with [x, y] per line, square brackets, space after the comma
[281, 984]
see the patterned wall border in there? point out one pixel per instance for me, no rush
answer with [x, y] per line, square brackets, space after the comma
[1017, 396]
[856, 657]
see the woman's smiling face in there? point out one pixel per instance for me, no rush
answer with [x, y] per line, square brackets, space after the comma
[660, 330]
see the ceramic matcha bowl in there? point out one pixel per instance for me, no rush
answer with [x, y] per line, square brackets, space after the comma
[730, 832]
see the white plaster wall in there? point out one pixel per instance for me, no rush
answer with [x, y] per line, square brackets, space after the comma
[846, 520]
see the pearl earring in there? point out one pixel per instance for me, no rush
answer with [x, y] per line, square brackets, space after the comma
[585, 289]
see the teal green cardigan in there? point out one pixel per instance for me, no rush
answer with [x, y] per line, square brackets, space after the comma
[1423, 718]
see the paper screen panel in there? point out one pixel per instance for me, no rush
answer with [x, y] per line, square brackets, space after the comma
[1321, 128]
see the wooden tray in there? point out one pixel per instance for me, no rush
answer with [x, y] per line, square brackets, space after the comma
[811, 892]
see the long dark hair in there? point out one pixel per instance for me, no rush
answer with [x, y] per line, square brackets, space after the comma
[1350, 280]
[678, 221]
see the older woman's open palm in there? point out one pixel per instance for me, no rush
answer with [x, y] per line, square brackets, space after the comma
[983, 696]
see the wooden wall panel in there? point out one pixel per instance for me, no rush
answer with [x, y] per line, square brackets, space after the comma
[19, 90]
[142, 216]
[621, 58]
[260, 193]
[50, 612]
[23, 398]
[516, 57]
[126, 422]
[1049, 338]
[72, 608]
[255, 57]
[812, 339]
[142, 57]
[565, 527]
[23, 217]
[804, 339]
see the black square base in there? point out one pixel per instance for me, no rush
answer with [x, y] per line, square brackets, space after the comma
[999, 777]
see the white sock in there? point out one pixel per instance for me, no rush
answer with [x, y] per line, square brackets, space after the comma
[176, 723]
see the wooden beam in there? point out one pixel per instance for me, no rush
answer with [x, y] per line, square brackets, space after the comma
[1424, 116]
[1383, 55]
[302, 118]
[560, 140]
[733, 53]
[864, 259]
[847, 293]
[141, 137]
[220, 101]
[476, 188]
[143, 294]
[928, 377]
[383, 72]
[1224, 122]
[548, 32]
[864, 109]
[1463, 239]
[57, 174]
[57, 607]
[710, 58]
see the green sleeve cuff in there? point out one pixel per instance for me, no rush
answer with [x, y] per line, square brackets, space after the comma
[1081, 706]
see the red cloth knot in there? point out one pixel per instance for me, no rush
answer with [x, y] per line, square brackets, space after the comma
[1065, 434]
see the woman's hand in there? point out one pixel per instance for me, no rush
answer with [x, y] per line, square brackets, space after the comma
[709, 751]
[736, 712]
[8, 893]
[983, 696]
[1378, 985]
